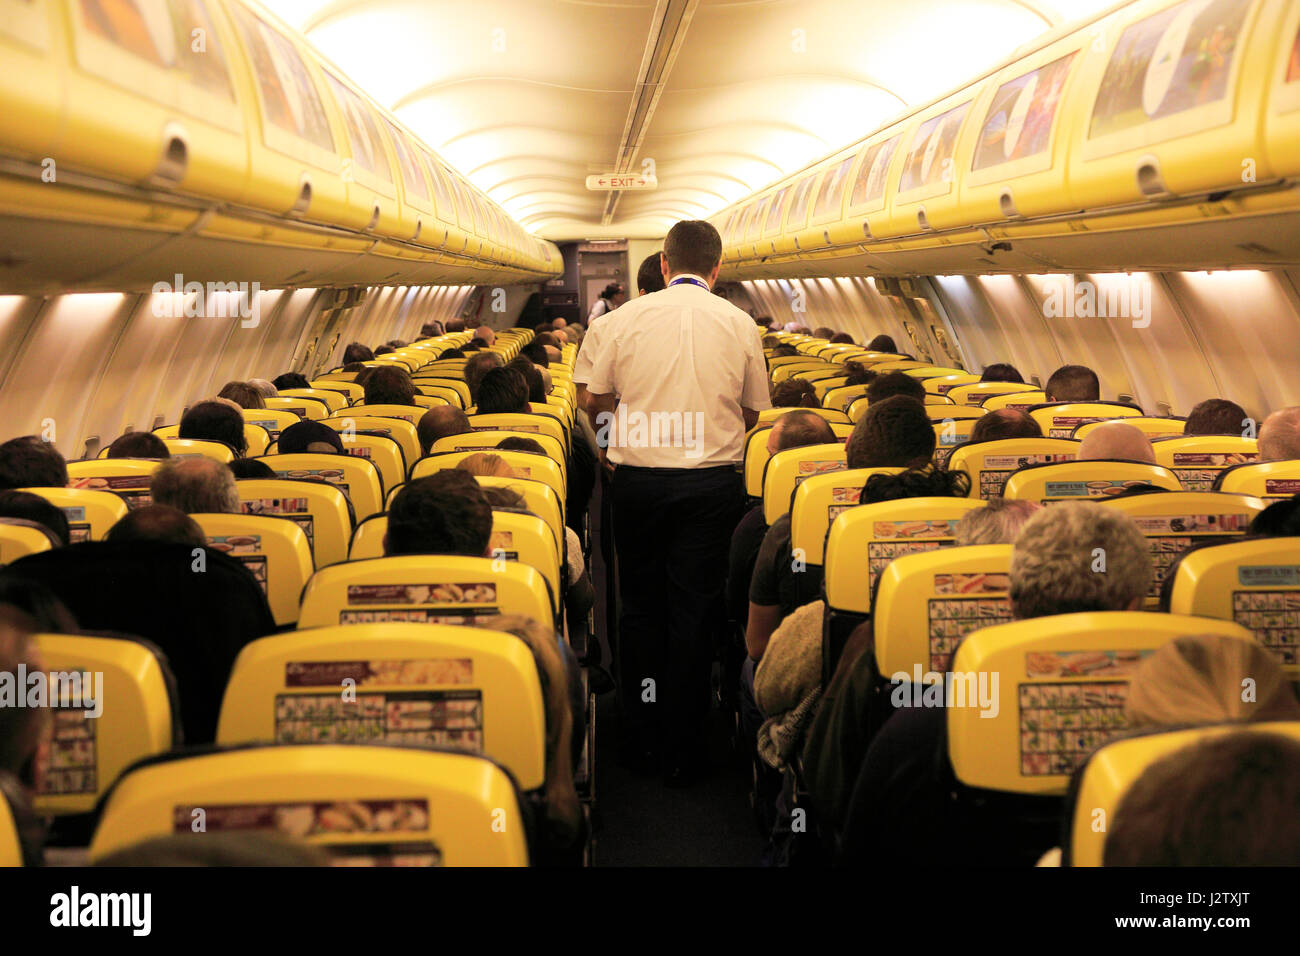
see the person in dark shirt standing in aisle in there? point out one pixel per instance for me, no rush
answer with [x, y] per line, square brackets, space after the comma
[677, 381]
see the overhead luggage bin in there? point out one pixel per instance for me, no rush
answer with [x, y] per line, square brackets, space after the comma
[797, 210]
[925, 197]
[1281, 129]
[827, 203]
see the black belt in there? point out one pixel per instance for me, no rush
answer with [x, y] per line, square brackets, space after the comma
[678, 471]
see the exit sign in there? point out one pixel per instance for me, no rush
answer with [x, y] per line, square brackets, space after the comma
[621, 181]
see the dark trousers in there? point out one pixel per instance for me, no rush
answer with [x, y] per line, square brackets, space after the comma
[672, 530]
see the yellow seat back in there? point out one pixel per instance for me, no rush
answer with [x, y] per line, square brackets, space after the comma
[90, 513]
[781, 373]
[755, 454]
[455, 383]
[1066, 480]
[842, 396]
[818, 501]
[1022, 399]
[900, 365]
[1148, 425]
[972, 393]
[926, 603]
[304, 407]
[1270, 480]
[413, 684]
[275, 551]
[116, 705]
[1255, 583]
[430, 395]
[530, 424]
[406, 413]
[1060, 419]
[988, 464]
[1110, 772]
[822, 386]
[487, 441]
[1053, 690]
[201, 448]
[11, 841]
[1198, 459]
[539, 497]
[943, 384]
[128, 478]
[526, 464]
[430, 588]
[363, 804]
[769, 416]
[949, 433]
[339, 382]
[355, 476]
[332, 400]
[273, 420]
[348, 423]
[786, 470]
[319, 508]
[936, 371]
[1177, 520]
[19, 538]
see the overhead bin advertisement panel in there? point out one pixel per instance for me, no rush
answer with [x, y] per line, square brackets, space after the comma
[1018, 125]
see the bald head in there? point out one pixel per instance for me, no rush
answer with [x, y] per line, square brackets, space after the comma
[195, 486]
[1279, 436]
[158, 523]
[441, 421]
[1116, 440]
[797, 429]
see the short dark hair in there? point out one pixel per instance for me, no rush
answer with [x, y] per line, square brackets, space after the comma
[858, 374]
[441, 421]
[390, 385]
[503, 390]
[383, 349]
[477, 343]
[444, 513]
[1073, 383]
[882, 343]
[915, 484]
[455, 325]
[242, 394]
[478, 366]
[30, 507]
[452, 354]
[693, 246]
[290, 380]
[520, 443]
[1231, 800]
[800, 428]
[138, 445]
[159, 523]
[356, 352]
[1005, 423]
[1002, 372]
[243, 468]
[29, 462]
[298, 437]
[794, 393]
[611, 290]
[649, 275]
[535, 352]
[894, 433]
[532, 378]
[888, 384]
[215, 421]
[1216, 416]
[1281, 519]
[823, 332]
[784, 351]
[430, 330]
[842, 338]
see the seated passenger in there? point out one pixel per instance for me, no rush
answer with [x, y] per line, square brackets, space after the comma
[441, 421]
[483, 465]
[485, 333]
[243, 468]
[1217, 416]
[478, 366]
[356, 352]
[537, 390]
[889, 384]
[520, 443]
[138, 445]
[195, 486]
[770, 341]
[1005, 423]
[34, 508]
[1279, 436]
[882, 343]
[158, 523]
[29, 462]
[502, 390]
[825, 332]
[215, 421]
[1281, 519]
[1073, 383]
[1226, 801]
[24, 731]
[311, 438]
[264, 388]
[1116, 441]
[389, 385]
[290, 380]
[383, 349]
[1002, 372]
[452, 354]
[857, 374]
[842, 338]
[794, 393]
[998, 522]
[535, 352]
[444, 513]
[242, 394]
[785, 351]
[455, 325]
[431, 330]
[475, 345]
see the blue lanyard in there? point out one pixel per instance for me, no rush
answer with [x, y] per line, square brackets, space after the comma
[703, 285]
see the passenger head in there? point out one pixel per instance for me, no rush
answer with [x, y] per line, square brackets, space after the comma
[1281, 519]
[215, 421]
[1005, 423]
[1216, 416]
[138, 445]
[390, 385]
[650, 277]
[242, 394]
[40, 610]
[1231, 800]
[798, 429]
[478, 366]
[532, 378]
[784, 351]
[290, 380]
[858, 374]
[1002, 372]
[498, 498]
[1116, 440]
[824, 332]
[842, 338]
[520, 443]
[34, 508]
[356, 352]
[264, 388]
[485, 333]
[158, 523]
[502, 390]
[998, 522]
[1279, 436]
[770, 341]
[383, 349]
[894, 433]
[1054, 562]
[794, 393]
[535, 352]
[484, 465]
[455, 325]
[889, 384]
[930, 483]
[1200, 679]
[441, 421]
[308, 437]
[195, 486]
[1073, 383]
[24, 731]
[693, 247]
[28, 462]
[444, 513]
[355, 368]
[243, 468]
[431, 330]
[452, 354]
[882, 343]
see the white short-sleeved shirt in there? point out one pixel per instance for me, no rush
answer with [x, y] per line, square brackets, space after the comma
[683, 363]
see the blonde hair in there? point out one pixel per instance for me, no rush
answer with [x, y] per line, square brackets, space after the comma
[484, 465]
[1202, 679]
[562, 808]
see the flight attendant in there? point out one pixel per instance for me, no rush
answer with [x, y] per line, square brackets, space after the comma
[677, 381]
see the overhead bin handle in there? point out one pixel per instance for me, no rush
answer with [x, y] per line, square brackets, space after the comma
[175, 156]
[922, 219]
[304, 196]
[1008, 203]
[1150, 181]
